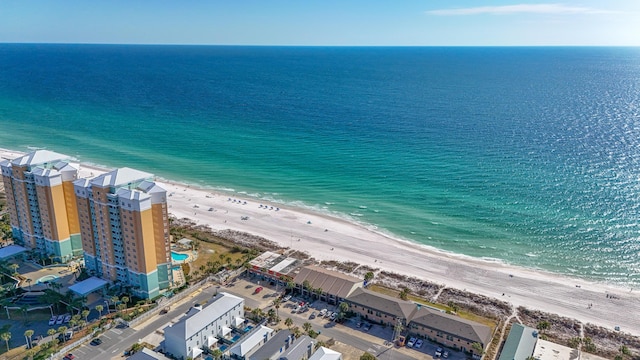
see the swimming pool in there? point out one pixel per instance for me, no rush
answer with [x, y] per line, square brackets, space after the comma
[177, 257]
[46, 278]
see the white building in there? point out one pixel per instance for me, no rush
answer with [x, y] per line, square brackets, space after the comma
[324, 353]
[202, 327]
[251, 342]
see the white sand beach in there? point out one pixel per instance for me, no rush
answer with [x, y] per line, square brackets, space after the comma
[327, 238]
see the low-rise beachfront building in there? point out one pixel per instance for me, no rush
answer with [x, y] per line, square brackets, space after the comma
[433, 324]
[42, 205]
[332, 286]
[546, 350]
[302, 349]
[273, 267]
[520, 343]
[324, 353]
[202, 327]
[379, 308]
[147, 354]
[251, 342]
[448, 329]
[124, 224]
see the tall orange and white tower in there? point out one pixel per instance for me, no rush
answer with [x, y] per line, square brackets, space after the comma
[42, 204]
[125, 230]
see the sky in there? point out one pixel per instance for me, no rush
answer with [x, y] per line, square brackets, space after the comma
[324, 22]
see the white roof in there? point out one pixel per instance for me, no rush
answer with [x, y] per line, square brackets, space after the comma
[197, 320]
[324, 353]
[248, 343]
[132, 194]
[283, 264]
[211, 340]
[195, 352]
[87, 286]
[118, 177]
[11, 250]
[237, 321]
[225, 330]
[38, 157]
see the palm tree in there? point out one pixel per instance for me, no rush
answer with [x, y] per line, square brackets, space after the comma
[288, 322]
[291, 285]
[217, 354]
[27, 335]
[404, 294]
[24, 309]
[543, 325]
[125, 300]
[296, 332]
[115, 300]
[99, 309]
[6, 336]
[51, 332]
[318, 292]
[276, 304]
[343, 309]
[14, 267]
[85, 315]
[306, 326]
[29, 283]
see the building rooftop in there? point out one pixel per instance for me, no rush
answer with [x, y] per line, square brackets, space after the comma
[383, 303]
[452, 324]
[196, 319]
[120, 177]
[546, 350]
[38, 157]
[278, 342]
[147, 354]
[520, 343]
[251, 340]
[331, 282]
[324, 353]
[300, 348]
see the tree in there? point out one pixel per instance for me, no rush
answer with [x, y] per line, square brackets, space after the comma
[217, 354]
[543, 325]
[318, 292]
[27, 335]
[14, 268]
[51, 332]
[99, 309]
[367, 277]
[306, 326]
[276, 304]
[404, 294]
[6, 336]
[85, 315]
[29, 283]
[477, 348]
[125, 300]
[367, 356]
[588, 345]
[288, 322]
[625, 350]
[296, 331]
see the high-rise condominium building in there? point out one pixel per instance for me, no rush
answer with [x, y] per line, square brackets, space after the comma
[125, 232]
[42, 204]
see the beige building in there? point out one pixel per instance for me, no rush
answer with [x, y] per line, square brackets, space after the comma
[125, 230]
[42, 204]
[331, 286]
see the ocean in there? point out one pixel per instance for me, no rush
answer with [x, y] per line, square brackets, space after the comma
[523, 155]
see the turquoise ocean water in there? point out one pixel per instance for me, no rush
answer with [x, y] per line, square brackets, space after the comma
[526, 155]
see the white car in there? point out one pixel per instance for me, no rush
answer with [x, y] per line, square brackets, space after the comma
[439, 352]
[418, 344]
[411, 342]
[323, 312]
[52, 321]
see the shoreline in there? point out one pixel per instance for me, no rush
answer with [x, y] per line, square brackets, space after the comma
[325, 237]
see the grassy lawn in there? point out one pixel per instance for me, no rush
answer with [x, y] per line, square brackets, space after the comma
[210, 252]
[461, 313]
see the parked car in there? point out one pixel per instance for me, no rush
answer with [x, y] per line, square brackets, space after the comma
[67, 318]
[358, 324]
[286, 298]
[69, 356]
[258, 289]
[445, 354]
[367, 326]
[418, 344]
[333, 316]
[411, 342]
[313, 315]
[96, 342]
[439, 352]
[323, 312]
[60, 319]
[52, 321]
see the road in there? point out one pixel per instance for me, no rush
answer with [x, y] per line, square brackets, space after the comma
[117, 340]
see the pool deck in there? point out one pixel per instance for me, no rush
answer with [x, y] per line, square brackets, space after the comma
[191, 256]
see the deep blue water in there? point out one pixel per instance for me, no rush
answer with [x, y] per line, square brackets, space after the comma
[527, 155]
